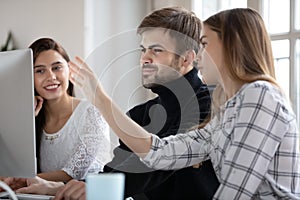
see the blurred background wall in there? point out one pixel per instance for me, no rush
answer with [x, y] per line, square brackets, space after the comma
[101, 31]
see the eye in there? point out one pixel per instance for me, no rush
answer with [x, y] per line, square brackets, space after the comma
[39, 71]
[56, 68]
[202, 45]
[157, 50]
[143, 50]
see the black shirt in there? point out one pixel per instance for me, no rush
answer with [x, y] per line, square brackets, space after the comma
[180, 105]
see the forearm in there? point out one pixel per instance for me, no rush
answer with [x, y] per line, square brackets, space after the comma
[133, 135]
[55, 176]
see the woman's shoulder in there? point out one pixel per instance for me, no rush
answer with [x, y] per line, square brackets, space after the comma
[256, 94]
[265, 94]
[87, 109]
[88, 114]
[259, 85]
[84, 105]
[260, 89]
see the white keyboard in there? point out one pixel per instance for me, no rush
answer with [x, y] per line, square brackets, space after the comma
[5, 195]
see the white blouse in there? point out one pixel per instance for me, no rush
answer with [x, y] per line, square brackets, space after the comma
[82, 146]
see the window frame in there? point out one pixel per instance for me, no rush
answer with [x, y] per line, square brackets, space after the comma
[292, 36]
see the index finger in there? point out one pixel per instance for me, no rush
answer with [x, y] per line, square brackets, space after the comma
[82, 63]
[8, 180]
[59, 194]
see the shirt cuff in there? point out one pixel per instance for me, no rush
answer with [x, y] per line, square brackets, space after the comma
[149, 158]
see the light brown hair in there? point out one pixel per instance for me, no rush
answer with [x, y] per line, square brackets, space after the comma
[246, 42]
[177, 20]
[247, 50]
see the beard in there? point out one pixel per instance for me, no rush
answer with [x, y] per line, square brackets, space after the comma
[160, 74]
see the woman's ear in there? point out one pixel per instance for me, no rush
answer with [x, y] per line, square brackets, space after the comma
[189, 58]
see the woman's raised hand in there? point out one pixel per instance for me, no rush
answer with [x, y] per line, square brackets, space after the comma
[38, 103]
[84, 77]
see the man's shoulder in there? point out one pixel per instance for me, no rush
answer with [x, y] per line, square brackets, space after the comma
[200, 88]
[143, 106]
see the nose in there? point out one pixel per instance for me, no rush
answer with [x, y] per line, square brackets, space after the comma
[146, 57]
[51, 75]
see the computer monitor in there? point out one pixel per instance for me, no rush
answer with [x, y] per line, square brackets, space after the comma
[17, 125]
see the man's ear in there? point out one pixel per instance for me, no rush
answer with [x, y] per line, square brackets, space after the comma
[189, 58]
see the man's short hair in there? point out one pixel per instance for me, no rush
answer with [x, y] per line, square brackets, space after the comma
[179, 22]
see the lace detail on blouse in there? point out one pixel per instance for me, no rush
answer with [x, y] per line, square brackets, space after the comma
[82, 147]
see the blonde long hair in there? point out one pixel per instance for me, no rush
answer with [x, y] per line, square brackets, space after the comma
[246, 46]
[246, 42]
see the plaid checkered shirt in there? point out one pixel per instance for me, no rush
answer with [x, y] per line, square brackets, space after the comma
[253, 145]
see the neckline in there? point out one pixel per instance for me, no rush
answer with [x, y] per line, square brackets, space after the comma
[67, 122]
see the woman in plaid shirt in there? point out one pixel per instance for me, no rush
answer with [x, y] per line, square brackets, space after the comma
[252, 139]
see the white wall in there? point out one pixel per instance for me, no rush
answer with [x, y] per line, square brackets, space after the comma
[112, 49]
[101, 31]
[28, 20]
[156, 4]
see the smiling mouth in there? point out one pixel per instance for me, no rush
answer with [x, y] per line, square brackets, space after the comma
[51, 87]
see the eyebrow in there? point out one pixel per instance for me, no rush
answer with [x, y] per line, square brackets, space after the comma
[54, 63]
[204, 36]
[153, 46]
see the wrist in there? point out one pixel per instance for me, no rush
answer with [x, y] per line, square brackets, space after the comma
[54, 187]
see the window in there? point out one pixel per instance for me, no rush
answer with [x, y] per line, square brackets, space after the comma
[276, 16]
[297, 15]
[281, 52]
[282, 21]
[205, 8]
[296, 85]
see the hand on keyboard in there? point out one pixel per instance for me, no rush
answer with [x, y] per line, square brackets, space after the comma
[13, 183]
[38, 185]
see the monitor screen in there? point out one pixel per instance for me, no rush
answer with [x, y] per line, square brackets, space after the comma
[17, 125]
